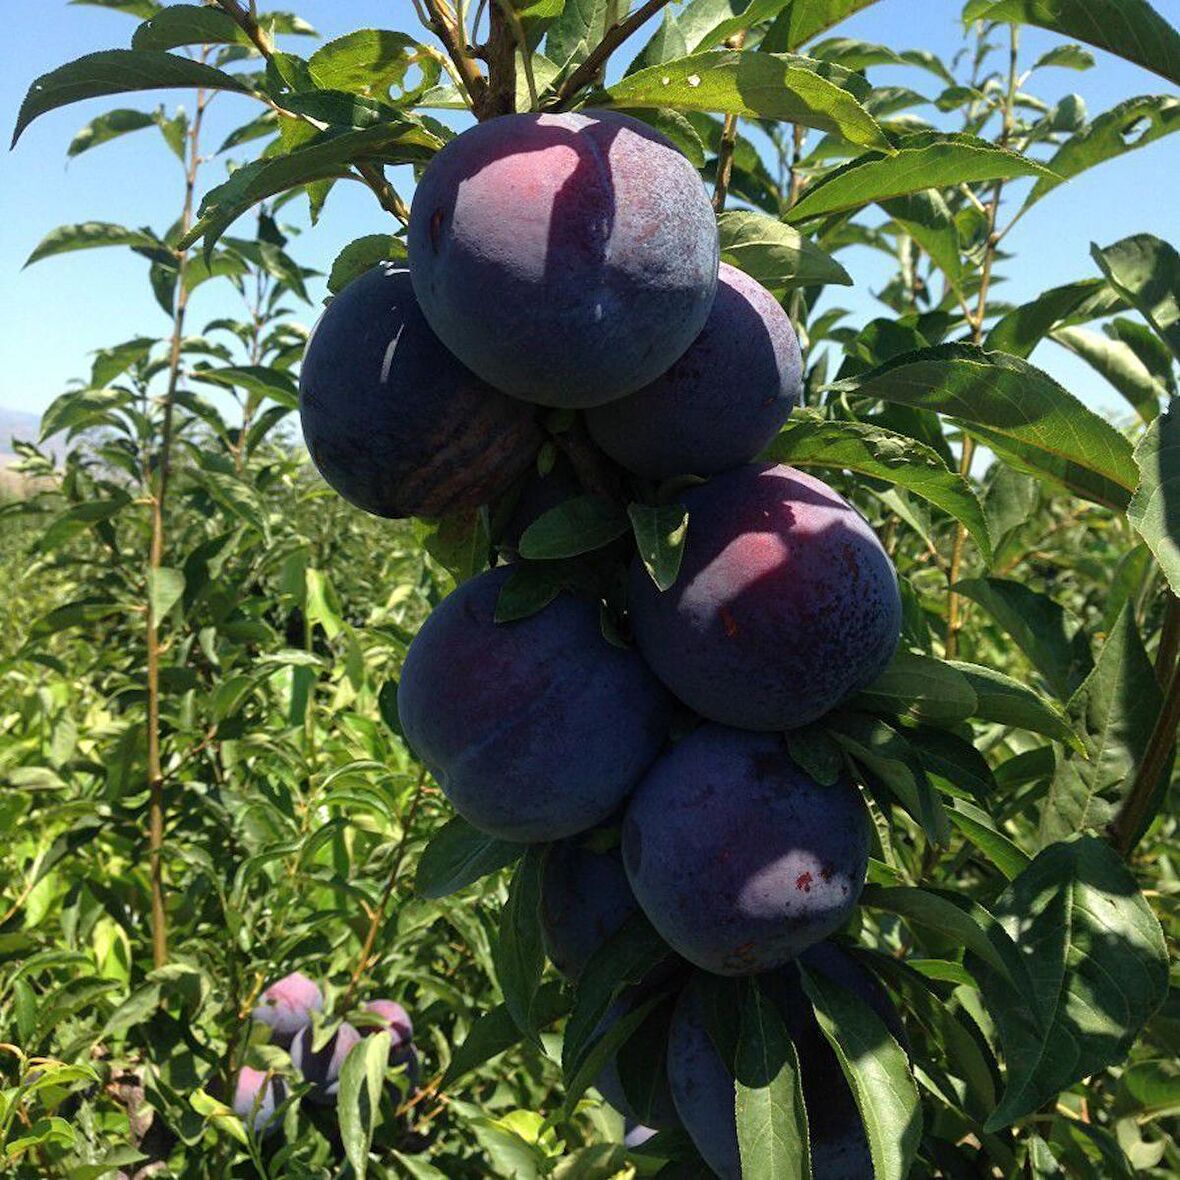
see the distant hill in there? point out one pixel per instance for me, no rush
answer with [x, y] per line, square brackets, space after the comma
[16, 424]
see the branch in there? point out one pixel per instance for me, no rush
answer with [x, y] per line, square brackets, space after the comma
[446, 28]
[1136, 808]
[588, 71]
[378, 915]
[369, 173]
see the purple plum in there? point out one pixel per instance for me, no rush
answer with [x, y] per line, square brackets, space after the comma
[568, 259]
[786, 603]
[721, 402]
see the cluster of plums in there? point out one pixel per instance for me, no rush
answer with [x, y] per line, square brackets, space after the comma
[286, 1007]
[572, 261]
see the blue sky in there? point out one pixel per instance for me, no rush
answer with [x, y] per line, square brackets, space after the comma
[58, 312]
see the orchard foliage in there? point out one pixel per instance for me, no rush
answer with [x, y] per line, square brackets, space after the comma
[207, 786]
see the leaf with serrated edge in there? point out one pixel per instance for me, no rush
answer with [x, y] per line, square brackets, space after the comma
[1098, 966]
[877, 1072]
[769, 1108]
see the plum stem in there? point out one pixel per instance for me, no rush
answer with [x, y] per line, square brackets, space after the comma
[596, 61]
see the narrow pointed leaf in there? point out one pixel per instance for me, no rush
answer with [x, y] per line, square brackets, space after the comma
[1155, 508]
[118, 71]
[1132, 124]
[770, 1112]
[1016, 409]
[755, 85]
[1114, 710]
[927, 159]
[1098, 967]
[1132, 29]
[877, 1072]
[807, 441]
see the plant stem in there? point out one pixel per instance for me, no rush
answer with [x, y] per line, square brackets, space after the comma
[595, 63]
[445, 26]
[369, 173]
[728, 143]
[954, 612]
[500, 54]
[155, 773]
[378, 916]
[1135, 811]
[1169, 645]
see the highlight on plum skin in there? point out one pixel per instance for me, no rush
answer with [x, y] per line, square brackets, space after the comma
[568, 259]
[737, 856]
[286, 1006]
[786, 603]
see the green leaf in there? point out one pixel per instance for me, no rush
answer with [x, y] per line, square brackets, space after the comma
[495, 1031]
[165, 586]
[1153, 353]
[1131, 29]
[361, 255]
[1020, 330]
[78, 409]
[118, 71]
[188, 24]
[1132, 124]
[576, 31]
[883, 752]
[927, 218]
[1154, 512]
[112, 362]
[921, 688]
[1150, 1090]
[371, 62]
[519, 952]
[107, 127]
[965, 924]
[328, 156]
[807, 441]
[924, 160]
[1114, 710]
[1146, 272]
[1070, 57]
[362, 1078]
[776, 254]
[804, 19]
[660, 531]
[531, 587]
[457, 856]
[90, 235]
[460, 543]
[1016, 409]
[1051, 638]
[258, 380]
[1098, 966]
[755, 85]
[143, 9]
[877, 1072]
[771, 1116]
[1120, 366]
[1008, 701]
[629, 955]
[578, 525]
[980, 829]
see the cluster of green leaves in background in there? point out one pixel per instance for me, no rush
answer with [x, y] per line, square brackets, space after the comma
[1030, 966]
